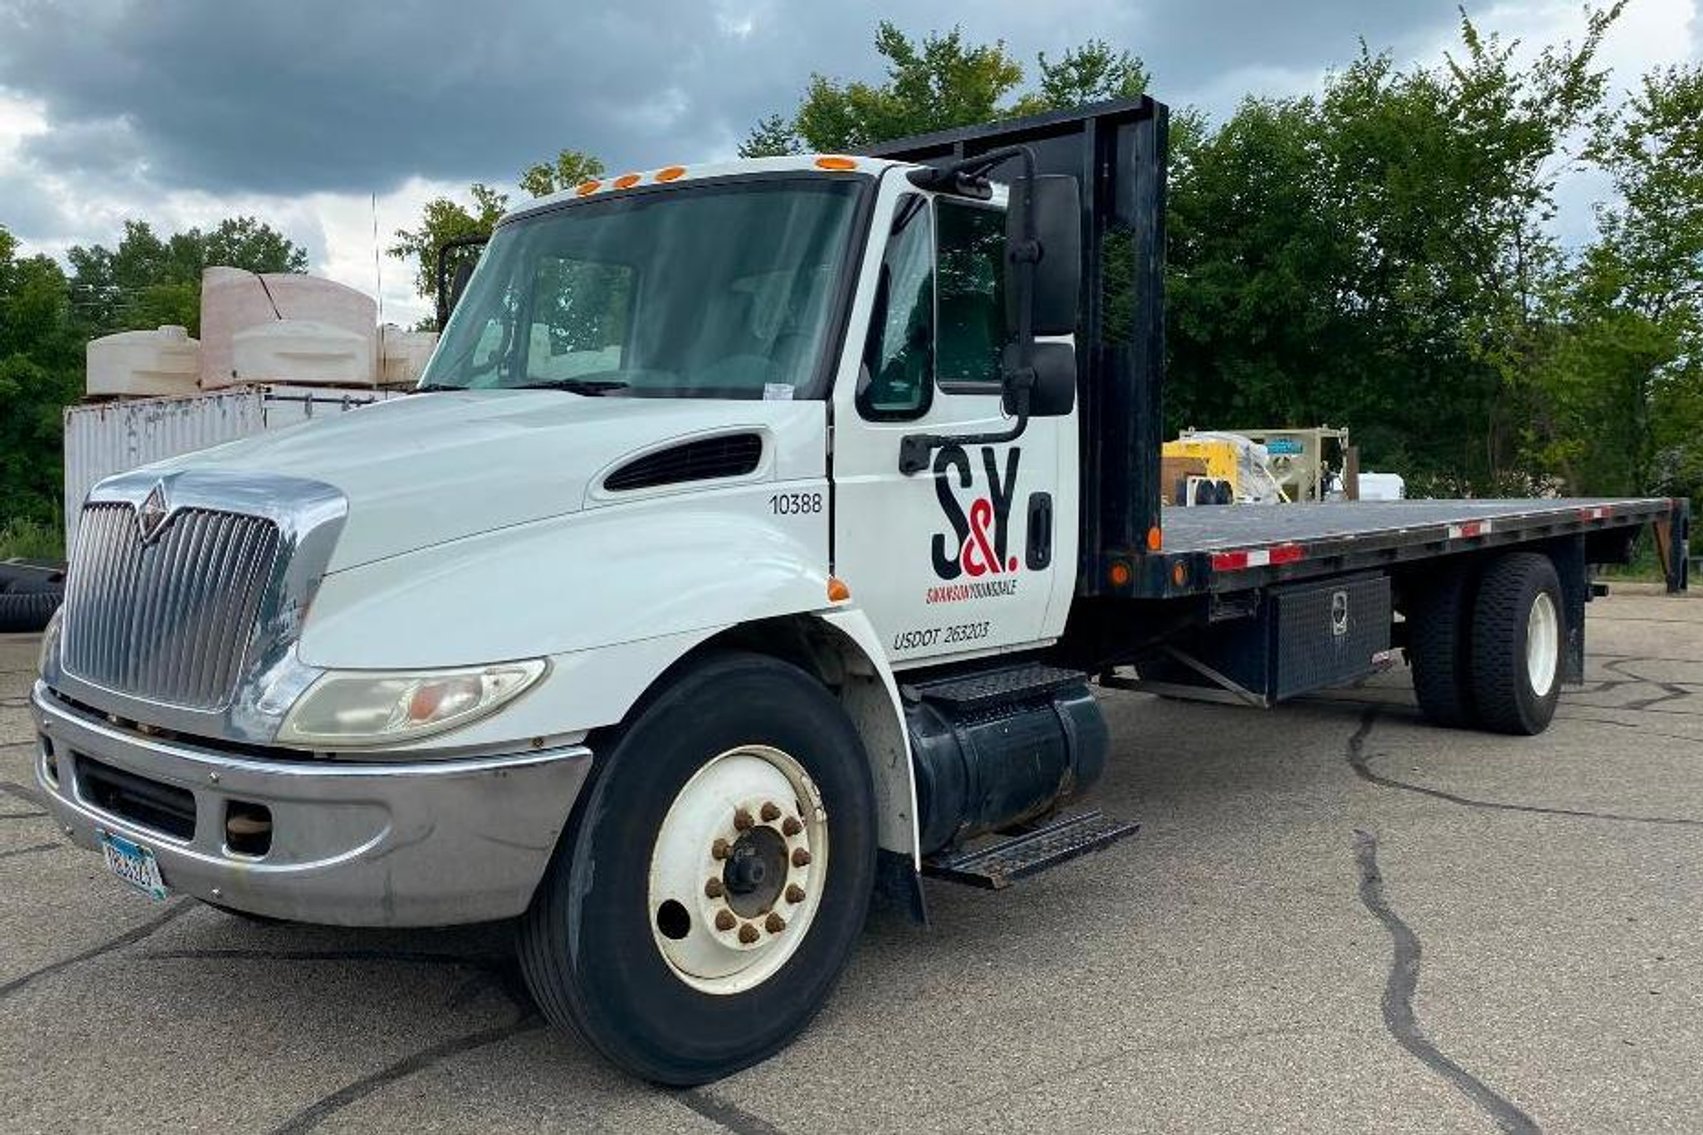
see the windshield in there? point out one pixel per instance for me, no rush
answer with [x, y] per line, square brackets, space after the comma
[721, 290]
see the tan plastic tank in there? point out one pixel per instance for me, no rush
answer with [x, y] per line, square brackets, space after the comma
[402, 355]
[234, 301]
[302, 352]
[144, 364]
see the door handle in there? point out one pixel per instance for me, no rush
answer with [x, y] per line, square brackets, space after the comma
[1039, 553]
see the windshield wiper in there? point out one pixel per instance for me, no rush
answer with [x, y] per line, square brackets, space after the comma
[433, 387]
[591, 387]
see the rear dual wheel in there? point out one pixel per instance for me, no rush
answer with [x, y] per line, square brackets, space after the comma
[1486, 647]
[715, 876]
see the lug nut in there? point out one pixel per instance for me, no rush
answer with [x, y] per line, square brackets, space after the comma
[721, 849]
[748, 933]
[771, 812]
[800, 857]
[724, 920]
[742, 820]
[713, 888]
[774, 924]
[792, 826]
[794, 893]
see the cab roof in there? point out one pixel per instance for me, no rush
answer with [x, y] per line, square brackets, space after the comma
[681, 174]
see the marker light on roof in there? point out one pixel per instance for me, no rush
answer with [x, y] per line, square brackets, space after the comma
[833, 161]
[671, 173]
[626, 181]
[587, 188]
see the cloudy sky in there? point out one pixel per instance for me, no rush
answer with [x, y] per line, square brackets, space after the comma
[180, 112]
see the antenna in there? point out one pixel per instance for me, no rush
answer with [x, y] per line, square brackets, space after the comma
[378, 264]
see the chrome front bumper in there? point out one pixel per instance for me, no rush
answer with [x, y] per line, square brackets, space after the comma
[385, 843]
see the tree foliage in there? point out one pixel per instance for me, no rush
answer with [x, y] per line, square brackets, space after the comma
[937, 83]
[47, 318]
[148, 280]
[444, 219]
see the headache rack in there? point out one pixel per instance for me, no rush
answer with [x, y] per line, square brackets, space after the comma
[1116, 151]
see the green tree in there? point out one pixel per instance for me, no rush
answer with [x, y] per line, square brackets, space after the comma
[1621, 391]
[568, 169]
[40, 372]
[445, 219]
[772, 137]
[1087, 74]
[146, 281]
[933, 85]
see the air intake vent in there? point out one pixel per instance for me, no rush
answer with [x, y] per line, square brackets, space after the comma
[731, 455]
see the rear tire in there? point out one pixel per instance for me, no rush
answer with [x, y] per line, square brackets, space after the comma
[621, 942]
[1438, 649]
[1519, 631]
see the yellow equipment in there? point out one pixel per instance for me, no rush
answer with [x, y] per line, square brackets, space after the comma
[1220, 457]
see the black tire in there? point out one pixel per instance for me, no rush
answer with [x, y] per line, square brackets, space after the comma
[1503, 693]
[27, 611]
[586, 944]
[1438, 648]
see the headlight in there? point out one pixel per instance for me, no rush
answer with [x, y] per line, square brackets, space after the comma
[363, 707]
[49, 639]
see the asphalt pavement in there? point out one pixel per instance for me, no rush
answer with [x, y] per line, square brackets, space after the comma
[1335, 918]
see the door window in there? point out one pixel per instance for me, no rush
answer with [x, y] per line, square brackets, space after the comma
[972, 295]
[897, 379]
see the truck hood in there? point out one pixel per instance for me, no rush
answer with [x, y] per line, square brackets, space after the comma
[430, 468]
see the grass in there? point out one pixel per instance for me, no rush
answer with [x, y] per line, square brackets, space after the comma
[31, 539]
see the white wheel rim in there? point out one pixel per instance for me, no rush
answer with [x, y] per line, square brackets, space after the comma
[1543, 643]
[717, 931]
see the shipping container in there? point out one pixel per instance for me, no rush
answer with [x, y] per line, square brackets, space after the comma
[103, 438]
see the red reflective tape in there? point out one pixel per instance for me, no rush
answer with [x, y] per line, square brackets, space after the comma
[1598, 512]
[1468, 530]
[1257, 557]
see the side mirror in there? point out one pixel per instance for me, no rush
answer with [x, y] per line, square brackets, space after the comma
[449, 292]
[1053, 394]
[1057, 208]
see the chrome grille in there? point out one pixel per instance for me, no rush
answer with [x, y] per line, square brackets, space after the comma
[168, 620]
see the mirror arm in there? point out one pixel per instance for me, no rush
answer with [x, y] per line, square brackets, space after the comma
[917, 450]
[443, 274]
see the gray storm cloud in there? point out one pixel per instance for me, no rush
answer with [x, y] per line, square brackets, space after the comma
[340, 96]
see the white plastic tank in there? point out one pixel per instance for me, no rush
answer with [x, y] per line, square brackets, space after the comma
[234, 300]
[301, 351]
[144, 364]
[1382, 486]
[402, 355]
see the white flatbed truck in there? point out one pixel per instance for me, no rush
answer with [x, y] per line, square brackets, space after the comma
[753, 546]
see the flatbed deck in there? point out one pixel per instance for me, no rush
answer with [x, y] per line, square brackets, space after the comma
[1234, 547]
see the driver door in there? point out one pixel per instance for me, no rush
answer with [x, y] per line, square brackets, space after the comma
[967, 557]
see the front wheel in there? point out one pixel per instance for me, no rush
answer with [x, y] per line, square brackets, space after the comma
[713, 882]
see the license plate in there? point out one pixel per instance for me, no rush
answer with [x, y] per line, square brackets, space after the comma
[134, 864]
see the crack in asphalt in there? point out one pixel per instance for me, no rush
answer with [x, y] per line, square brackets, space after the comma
[30, 850]
[1361, 764]
[498, 972]
[317, 1112]
[129, 937]
[730, 1116]
[28, 796]
[21, 815]
[1399, 1016]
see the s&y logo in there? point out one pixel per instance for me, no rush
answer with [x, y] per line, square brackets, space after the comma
[978, 544]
